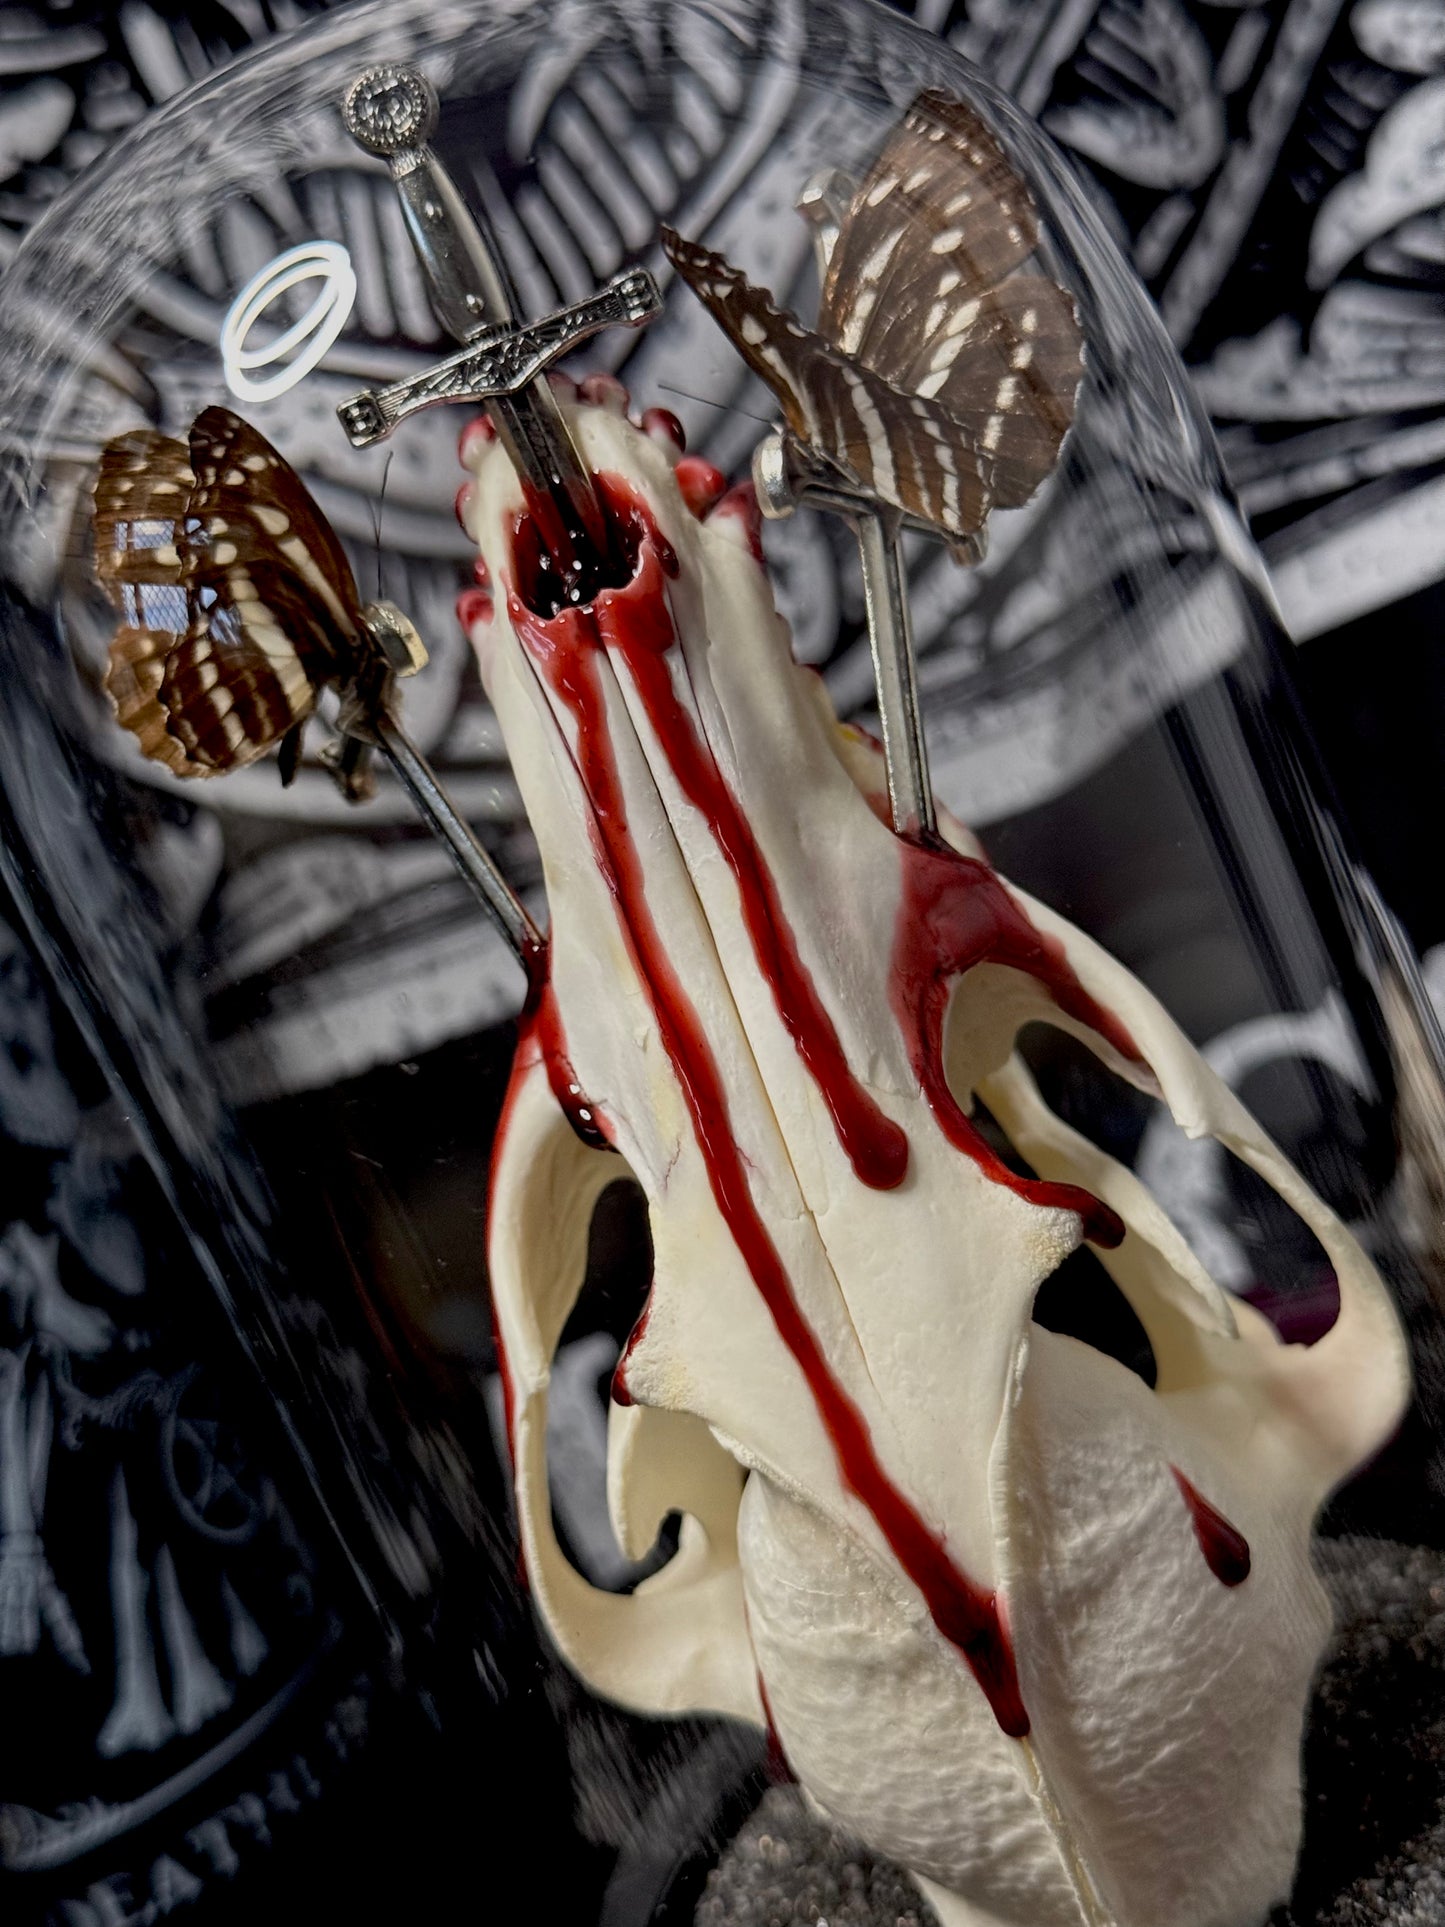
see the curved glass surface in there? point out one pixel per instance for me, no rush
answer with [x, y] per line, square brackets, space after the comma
[309, 1019]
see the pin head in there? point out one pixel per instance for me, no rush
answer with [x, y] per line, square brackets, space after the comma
[389, 109]
[773, 479]
[395, 635]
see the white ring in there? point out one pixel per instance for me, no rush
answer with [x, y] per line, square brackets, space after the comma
[324, 261]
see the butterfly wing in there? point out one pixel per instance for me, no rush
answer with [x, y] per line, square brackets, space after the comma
[234, 685]
[142, 497]
[903, 448]
[942, 214]
[1007, 369]
[238, 600]
[274, 610]
[252, 501]
[927, 287]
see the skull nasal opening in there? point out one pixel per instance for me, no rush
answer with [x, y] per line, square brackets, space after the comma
[626, 523]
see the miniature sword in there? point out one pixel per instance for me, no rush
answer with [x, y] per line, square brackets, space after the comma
[391, 112]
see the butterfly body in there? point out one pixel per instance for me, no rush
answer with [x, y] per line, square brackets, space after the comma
[943, 373]
[237, 602]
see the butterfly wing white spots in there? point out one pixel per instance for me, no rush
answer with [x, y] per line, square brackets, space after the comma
[237, 599]
[141, 493]
[888, 441]
[1006, 366]
[927, 296]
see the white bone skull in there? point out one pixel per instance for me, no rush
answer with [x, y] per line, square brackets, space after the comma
[987, 1584]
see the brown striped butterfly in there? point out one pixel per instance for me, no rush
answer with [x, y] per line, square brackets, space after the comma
[237, 603]
[943, 373]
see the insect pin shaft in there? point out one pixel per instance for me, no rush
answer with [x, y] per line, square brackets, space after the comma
[481, 875]
[890, 638]
[785, 481]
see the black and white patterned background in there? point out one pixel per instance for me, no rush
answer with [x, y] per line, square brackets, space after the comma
[188, 1719]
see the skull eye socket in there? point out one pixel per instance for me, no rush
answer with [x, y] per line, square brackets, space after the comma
[609, 1307]
[1241, 1232]
[1080, 1300]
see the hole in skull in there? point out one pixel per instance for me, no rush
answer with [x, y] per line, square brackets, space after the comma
[1078, 1299]
[619, 1266]
[542, 586]
[609, 1305]
[1341, 1141]
[1289, 1274]
[1241, 1231]
[1077, 1088]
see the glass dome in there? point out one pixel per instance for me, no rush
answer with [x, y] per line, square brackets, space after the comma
[311, 1024]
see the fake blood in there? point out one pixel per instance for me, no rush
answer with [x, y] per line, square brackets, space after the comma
[955, 913]
[874, 1145]
[566, 648]
[1225, 1548]
[540, 1034]
[544, 1021]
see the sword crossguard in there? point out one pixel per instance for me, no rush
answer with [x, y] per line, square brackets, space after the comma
[502, 360]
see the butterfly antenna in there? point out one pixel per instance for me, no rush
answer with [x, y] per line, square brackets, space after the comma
[668, 388]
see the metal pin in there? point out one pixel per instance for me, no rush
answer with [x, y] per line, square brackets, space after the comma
[890, 637]
[367, 722]
[483, 878]
[391, 111]
[785, 481]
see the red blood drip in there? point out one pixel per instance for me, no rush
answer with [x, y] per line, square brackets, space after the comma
[874, 1145]
[621, 1390]
[545, 1024]
[539, 586]
[565, 649]
[540, 1034]
[741, 504]
[663, 426]
[954, 913]
[1225, 1548]
[521, 1064]
[876, 796]
[473, 606]
[700, 483]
